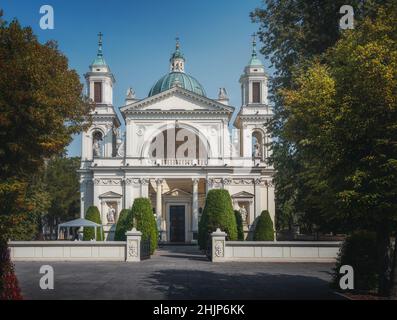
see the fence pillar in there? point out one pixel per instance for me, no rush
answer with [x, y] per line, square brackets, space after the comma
[133, 250]
[218, 245]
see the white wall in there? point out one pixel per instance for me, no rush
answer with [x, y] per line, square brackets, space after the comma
[281, 251]
[67, 251]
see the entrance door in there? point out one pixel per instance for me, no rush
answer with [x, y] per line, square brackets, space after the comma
[177, 223]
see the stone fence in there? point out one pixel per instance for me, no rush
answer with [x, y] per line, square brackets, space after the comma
[268, 251]
[78, 250]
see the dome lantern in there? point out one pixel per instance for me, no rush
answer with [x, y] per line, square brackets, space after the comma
[177, 61]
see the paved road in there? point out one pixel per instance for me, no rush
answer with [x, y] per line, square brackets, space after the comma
[178, 273]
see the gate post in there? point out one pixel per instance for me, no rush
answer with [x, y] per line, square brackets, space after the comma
[133, 246]
[218, 245]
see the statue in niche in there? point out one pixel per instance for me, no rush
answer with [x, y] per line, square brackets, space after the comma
[257, 150]
[111, 214]
[244, 214]
[96, 147]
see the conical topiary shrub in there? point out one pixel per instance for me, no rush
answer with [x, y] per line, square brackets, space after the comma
[124, 224]
[218, 213]
[240, 228]
[144, 221]
[264, 230]
[94, 216]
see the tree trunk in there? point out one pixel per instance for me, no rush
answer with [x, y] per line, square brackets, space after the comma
[393, 283]
[383, 244]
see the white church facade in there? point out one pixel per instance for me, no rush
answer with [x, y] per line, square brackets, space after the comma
[177, 145]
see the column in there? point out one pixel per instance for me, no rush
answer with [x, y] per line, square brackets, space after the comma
[144, 188]
[159, 202]
[195, 208]
[209, 184]
[83, 198]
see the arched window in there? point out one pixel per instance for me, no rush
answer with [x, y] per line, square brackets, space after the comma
[97, 140]
[257, 145]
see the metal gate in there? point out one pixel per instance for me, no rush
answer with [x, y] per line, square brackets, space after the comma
[145, 249]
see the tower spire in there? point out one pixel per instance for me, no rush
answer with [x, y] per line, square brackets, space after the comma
[177, 44]
[254, 45]
[100, 53]
[99, 60]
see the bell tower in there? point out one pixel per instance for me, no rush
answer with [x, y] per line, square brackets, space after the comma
[254, 81]
[99, 140]
[255, 111]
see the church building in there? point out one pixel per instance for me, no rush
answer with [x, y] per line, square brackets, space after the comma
[178, 144]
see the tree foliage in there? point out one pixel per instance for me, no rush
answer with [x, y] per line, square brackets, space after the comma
[61, 181]
[144, 221]
[293, 32]
[342, 115]
[359, 251]
[239, 223]
[124, 224]
[264, 230]
[41, 106]
[218, 213]
[93, 215]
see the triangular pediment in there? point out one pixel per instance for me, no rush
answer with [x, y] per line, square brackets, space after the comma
[243, 194]
[110, 194]
[177, 193]
[177, 99]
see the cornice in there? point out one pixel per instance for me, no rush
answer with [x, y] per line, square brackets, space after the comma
[168, 93]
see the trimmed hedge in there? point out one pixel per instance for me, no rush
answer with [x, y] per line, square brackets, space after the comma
[359, 250]
[239, 222]
[144, 221]
[89, 232]
[124, 224]
[264, 230]
[218, 213]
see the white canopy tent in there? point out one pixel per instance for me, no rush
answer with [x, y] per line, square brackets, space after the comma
[78, 223]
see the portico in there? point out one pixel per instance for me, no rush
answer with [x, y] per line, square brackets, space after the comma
[177, 202]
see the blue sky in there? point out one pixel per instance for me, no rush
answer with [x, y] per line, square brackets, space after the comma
[139, 37]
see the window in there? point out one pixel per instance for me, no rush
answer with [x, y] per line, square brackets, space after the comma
[98, 92]
[256, 92]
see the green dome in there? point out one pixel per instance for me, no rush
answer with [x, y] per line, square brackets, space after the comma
[180, 79]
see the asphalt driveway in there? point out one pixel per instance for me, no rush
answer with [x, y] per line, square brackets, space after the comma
[178, 272]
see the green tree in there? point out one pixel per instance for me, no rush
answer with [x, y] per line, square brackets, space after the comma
[359, 251]
[144, 221]
[41, 106]
[264, 230]
[292, 32]
[94, 216]
[239, 223]
[124, 223]
[342, 120]
[218, 213]
[62, 185]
